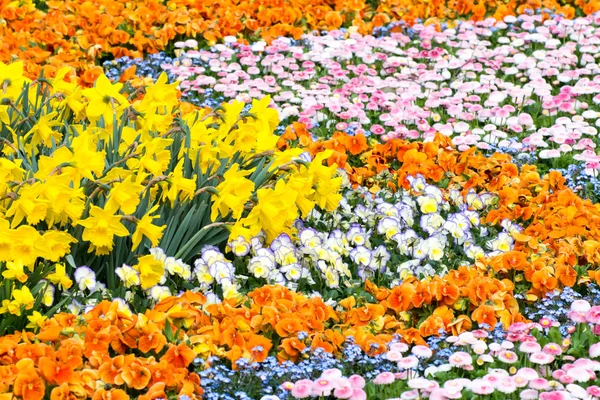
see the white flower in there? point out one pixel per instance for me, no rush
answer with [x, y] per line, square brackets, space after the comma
[129, 276]
[406, 241]
[419, 250]
[240, 246]
[332, 278]
[85, 278]
[430, 223]
[158, 254]
[292, 272]
[474, 201]
[211, 254]
[428, 204]
[434, 248]
[177, 267]
[474, 252]
[389, 227]
[221, 270]
[230, 290]
[417, 183]
[285, 254]
[309, 238]
[159, 293]
[361, 256]
[260, 266]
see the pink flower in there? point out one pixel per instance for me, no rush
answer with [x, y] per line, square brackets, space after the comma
[529, 394]
[384, 378]
[593, 315]
[377, 129]
[302, 389]
[422, 351]
[579, 374]
[343, 392]
[399, 347]
[580, 306]
[287, 385]
[593, 391]
[443, 394]
[556, 395]
[393, 355]
[331, 373]
[410, 395]
[506, 385]
[520, 381]
[508, 356]
[528, 373]
[539, 384]
[577, 317]
[358, 394]
[566, 379]
[553, 349]
[479, 386]
[530, 347]
[408, 362]
[322, 387]
[546, 322]
[541, 358]
[357, 381]
[460, 359]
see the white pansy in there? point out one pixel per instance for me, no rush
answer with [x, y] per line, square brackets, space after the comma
[128, 275]
[159, 293]
[389, 227]
[292, 272]
[434, 248]
[240, 246]
[428, 204]
[260, 266]
[85, 278]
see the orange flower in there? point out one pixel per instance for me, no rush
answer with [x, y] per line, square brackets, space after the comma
[113, 394]
[485, 314]
[460, 325]
[55, 373]
[156, 391]
[288, 327]
[179, 356]
[432, 326]
[292, 346]
[400, 298]
[152, 339]
[354, 144]
[109, 370]
[29, 385]
[259, 347]
[543, 281]
[135, 375]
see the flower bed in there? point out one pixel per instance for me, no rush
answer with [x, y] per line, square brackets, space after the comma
[386, 209]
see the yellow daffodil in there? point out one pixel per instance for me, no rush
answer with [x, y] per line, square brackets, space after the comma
[233, 193]
[14, 270]
[59, 277]
[144, 227]
[151, 271]
[105, 100]
[101, 227]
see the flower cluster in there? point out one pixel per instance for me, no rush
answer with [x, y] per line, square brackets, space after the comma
[105, 173]
[508, 86]
[386, 238]
[48, 35]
